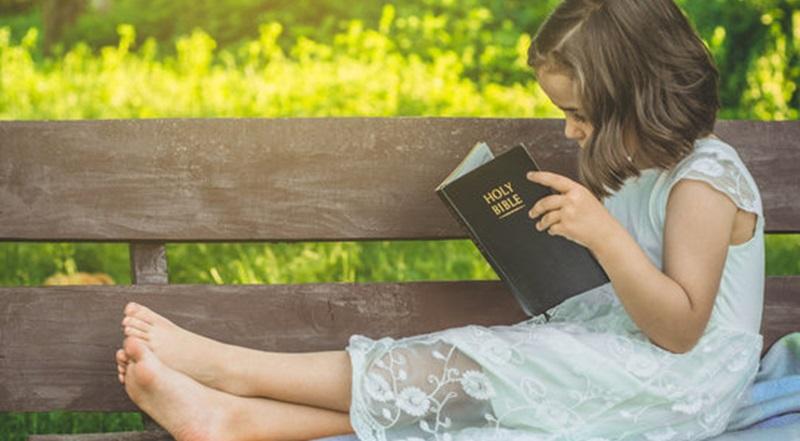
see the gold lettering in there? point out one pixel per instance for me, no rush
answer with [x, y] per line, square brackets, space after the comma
[503, 200]
[498, 193]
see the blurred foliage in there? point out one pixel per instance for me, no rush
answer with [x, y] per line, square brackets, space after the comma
[756, 42]
[248, 58]
[359, 73]
[16, 426]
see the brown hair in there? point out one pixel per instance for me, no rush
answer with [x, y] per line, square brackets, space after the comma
[645, 80]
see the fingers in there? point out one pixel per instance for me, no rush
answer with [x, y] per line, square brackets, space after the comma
[559, 183]
[545, 204]
[548, 220]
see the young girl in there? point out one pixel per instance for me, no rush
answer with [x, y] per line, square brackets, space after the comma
[663, 352]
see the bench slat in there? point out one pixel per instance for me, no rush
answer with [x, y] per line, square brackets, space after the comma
[50, 359]
[292, 179]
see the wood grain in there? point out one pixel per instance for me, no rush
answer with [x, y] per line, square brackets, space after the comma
[52, 360]
[292, 179]
[149, 182]
[148, 263]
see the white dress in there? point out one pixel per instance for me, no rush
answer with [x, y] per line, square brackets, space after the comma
[589, 373]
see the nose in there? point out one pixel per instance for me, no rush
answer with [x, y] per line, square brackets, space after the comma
[573, 132]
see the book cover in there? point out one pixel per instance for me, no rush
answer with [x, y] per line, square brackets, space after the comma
[491, 197]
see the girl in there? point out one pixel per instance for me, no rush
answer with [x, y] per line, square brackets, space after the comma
[662, 352]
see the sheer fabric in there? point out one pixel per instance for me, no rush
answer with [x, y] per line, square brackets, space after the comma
[588, 373]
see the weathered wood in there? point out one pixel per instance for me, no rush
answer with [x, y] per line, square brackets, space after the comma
[113, 436]
[148, 263]
[149, 423]
[781, 309]
[291, 179]
[52, 360]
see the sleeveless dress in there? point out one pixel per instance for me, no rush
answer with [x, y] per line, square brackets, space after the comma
[588, 373]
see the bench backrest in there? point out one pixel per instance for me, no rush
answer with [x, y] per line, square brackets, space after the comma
[149, 182]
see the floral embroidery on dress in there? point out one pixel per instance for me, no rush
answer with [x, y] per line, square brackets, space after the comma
[691, 404]
[413, 401]
[378, 388]
[477, 385]
[665, 434]
[584, 372]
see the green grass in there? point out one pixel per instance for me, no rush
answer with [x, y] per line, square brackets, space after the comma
[28, 264]
[16, 426]
[359, 72]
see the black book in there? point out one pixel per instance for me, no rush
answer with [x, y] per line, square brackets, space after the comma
[491, 197]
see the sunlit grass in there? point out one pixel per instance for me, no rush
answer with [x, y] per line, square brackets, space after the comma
[360, 72]
[29, 264]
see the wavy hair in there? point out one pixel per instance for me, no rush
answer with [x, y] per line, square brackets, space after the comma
[646, 81]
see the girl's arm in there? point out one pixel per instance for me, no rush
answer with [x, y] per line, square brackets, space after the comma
[673, 307]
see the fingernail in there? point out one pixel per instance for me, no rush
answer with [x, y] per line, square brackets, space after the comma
[530, 175]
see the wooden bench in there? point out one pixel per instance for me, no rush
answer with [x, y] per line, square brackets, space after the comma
[150, 182]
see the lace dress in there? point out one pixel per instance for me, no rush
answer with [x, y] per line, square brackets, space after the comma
[587, 374]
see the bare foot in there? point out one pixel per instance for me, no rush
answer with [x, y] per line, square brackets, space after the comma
[186, 409]
[199, 357]
[122, 364]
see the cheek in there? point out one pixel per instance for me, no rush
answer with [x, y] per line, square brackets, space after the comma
[586, 128]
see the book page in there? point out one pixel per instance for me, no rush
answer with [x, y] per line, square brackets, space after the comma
[479, 154]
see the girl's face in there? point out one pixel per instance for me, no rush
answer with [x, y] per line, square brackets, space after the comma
[560, 88]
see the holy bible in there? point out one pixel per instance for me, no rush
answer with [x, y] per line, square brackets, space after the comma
[491, 197]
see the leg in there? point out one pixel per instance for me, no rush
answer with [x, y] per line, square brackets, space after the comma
[320, 379]
[193, 412]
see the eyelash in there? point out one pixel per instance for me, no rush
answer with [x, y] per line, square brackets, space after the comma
[579, 118]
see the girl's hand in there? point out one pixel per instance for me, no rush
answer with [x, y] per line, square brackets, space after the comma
[574, 213]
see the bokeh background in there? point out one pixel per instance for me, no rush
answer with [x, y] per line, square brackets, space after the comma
[100, 59]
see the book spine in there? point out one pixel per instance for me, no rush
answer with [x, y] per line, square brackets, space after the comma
[478, 244]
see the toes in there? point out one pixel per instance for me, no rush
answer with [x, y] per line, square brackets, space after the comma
[136, 323]
[131, 308]
[133, 332]
[121, 357]
[142, 313]
[122, 363]
[134, 349]
[144, 368]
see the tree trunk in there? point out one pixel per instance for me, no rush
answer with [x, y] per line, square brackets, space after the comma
[57, 16]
